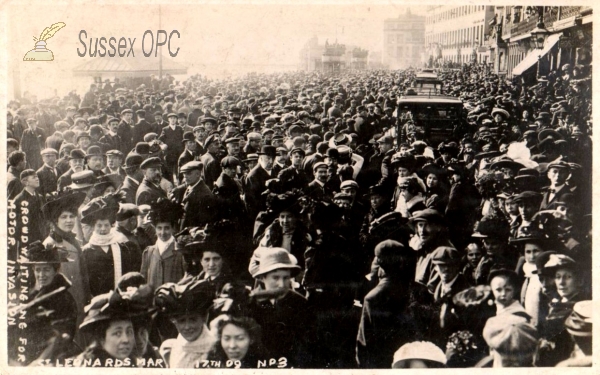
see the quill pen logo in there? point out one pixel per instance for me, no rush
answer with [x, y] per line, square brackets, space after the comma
[40, 52]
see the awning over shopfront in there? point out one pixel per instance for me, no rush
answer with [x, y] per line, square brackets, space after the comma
[532, 57]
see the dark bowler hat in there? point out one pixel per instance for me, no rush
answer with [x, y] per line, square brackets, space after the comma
[142, 148]
[153, 162]
[446, 255]
[37, 253]
[190, 166]
[491, 226]
[332, 153]
[188, 136]
[268, 150]
[83, 135]
[211, 139]
[94, 151]
[26, 173]
[133, 160]
[82, 180]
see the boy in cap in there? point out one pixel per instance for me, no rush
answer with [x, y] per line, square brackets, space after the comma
[125, 130]
[198, 201]
[47, 173]
[294, 176]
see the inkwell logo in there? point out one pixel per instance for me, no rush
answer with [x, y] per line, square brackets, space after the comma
[40, 52]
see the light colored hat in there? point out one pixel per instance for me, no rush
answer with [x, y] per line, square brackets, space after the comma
[267, 259]
[424, 350]
[510, 334]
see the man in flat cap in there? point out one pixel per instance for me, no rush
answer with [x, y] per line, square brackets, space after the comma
[188, 154]
[558, 172]
[172, 136]
[198, 201]
[149, 190]
[195, 114]
[294, 176]
[211, 160]
[47, 173]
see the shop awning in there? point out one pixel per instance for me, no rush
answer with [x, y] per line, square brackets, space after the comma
[532, 57]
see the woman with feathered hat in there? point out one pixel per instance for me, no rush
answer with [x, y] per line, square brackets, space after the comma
[61, 212]
[51, 311]
[186, 305]
[105, 257]
[110, 327]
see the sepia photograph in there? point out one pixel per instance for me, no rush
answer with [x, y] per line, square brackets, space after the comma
[321, 186]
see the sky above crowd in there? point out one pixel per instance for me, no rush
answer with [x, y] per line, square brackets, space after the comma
[214, 38]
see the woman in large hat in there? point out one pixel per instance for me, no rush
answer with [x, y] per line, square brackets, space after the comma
[110, 327]
[186, 305]
[287, 230]
[106, 258]
[436, 187]
[161, 263]
[570, 287]
[61, 212]
[51, 311]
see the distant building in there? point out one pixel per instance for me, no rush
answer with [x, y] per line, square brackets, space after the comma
[403, 40]
[331, 57]
[457, 34]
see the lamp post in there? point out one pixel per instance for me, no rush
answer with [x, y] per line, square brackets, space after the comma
[540, 33]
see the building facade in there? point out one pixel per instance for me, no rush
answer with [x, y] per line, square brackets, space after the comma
[457, 33]
[403, 41]
[514, 53]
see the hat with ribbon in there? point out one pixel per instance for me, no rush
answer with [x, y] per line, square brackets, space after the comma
[38, 253]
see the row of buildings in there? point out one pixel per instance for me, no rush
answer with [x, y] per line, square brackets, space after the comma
[513, 41]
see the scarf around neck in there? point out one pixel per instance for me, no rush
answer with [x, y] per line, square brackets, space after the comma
[103, 239]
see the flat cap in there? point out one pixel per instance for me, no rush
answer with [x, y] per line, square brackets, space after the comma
[190, 166]
[153, 162]
[445, 255]
[49, 151]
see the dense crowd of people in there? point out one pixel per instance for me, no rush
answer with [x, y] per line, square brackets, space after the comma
[296, 220]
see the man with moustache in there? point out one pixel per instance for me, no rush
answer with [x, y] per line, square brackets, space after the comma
[149, 190]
